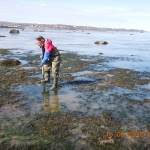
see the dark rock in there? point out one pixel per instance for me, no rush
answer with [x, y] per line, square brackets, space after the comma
[101, 42]
[101, 53]
[14, 31]
[2, 36]
[9, 62]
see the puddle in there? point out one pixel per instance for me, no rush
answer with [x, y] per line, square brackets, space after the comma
[88, 60]
[146, 86]
[81, 73]
[110, 75]
[40, 97]
[137, 66]
[29, 68]
[82, 79]
[40, 76]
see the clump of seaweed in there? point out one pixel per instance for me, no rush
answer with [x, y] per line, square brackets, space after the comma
[9, 62]
[4, 51]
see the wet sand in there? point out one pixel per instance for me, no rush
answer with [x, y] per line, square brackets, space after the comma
[95, 107]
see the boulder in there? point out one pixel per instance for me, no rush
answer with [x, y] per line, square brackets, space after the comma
[9, 62]
[14, 31]
[101, 42]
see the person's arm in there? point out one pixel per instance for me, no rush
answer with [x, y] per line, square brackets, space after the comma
[45, 58]
[48, 49]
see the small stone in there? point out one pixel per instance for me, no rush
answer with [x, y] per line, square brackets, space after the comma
[101, 42]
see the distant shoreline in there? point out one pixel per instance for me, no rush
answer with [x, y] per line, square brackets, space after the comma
[42, 27]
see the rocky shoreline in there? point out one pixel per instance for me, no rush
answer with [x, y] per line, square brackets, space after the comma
[42, 27]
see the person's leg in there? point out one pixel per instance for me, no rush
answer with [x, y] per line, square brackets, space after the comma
[46, 69]
[55, 73]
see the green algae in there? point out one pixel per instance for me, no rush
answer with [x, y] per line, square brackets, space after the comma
[112, 104]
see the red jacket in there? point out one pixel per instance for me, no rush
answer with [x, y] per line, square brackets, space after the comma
[48, 48]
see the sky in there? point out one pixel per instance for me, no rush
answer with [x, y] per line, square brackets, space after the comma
[129, 14]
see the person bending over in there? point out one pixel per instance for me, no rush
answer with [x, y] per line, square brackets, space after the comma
[50, 60]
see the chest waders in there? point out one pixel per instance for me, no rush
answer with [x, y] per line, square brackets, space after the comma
[52, 64]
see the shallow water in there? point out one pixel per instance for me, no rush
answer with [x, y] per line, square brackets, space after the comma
[40, 98]
[120, 44]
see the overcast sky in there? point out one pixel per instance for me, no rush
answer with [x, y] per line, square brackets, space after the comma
[129, 14]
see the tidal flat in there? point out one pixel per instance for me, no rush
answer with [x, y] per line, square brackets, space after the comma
[95, 107]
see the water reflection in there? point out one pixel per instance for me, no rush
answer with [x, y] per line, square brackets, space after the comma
[48, 105]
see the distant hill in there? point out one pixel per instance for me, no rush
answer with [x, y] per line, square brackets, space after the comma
[35, 26]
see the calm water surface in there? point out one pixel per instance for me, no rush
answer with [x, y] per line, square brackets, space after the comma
[131, 49]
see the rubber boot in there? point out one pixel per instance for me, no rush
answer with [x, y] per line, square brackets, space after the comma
[55, 84]
[47, 77]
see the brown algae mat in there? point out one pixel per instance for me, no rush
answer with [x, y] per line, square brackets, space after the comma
[111, 112]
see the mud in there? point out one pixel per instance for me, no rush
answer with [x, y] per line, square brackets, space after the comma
[95, 107]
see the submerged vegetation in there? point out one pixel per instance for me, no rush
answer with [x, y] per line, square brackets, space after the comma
[95, 107]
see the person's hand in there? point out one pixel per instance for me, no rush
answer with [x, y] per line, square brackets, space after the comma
[41, 56]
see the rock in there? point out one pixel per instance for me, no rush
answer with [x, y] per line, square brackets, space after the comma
[101, 53]
[14, 31]
[9, 62]
[2, 36]
[101, 42]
